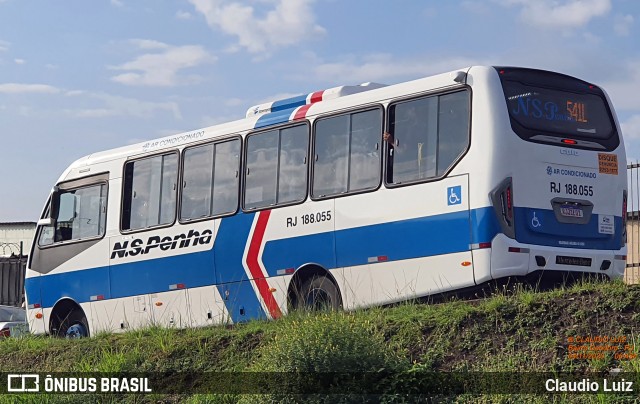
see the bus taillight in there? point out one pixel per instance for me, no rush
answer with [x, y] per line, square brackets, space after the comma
[502, 198]
[509, 203]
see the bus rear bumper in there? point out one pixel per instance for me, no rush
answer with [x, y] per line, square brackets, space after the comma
[510, 258]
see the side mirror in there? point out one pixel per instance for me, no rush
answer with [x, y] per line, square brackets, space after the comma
[47, 221]
[54, 202]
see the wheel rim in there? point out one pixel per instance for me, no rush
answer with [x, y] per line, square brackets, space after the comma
[318, 299]
[76, 331]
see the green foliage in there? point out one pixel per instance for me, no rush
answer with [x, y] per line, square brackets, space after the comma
[327, 342]
[516, 329]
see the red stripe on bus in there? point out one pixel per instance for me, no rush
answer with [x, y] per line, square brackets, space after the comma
[301, 113]
[254, 266]
[317, 96]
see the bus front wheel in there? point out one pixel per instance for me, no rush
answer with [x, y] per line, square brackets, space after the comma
[318, 293]
[74, 325]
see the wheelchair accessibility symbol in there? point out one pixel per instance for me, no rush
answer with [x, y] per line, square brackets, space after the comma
[535, 222]
[454, 195]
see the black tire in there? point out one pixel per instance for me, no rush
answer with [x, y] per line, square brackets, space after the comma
[73, 325]
[318, 293]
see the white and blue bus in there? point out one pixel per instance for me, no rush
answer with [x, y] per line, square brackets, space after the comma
[348, 197]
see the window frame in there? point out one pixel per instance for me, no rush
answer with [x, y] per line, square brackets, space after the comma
[244, 166]
[381, 148]
[455, 162]
[122, 195]
[72, 185]
[181, 179]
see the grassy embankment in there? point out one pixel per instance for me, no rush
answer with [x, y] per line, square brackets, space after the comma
[509, 333]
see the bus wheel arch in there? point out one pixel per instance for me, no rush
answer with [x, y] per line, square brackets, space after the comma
[68, 320]
[312, 281]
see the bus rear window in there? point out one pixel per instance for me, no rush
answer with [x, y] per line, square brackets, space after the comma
[556, 112]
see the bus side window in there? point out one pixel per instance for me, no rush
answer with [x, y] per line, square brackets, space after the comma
[210, 180]
[276, 168]
[81, 215]
[453, 128]
[150, 187]
[429, 134]
[347, 153]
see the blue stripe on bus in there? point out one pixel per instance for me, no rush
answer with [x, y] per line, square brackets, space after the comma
[550, 232]
[289, 103]
[421, 237]
[274, 118]
[484, 225]
[426, 236]
[242, 303]
[77, 285]
[156, 275]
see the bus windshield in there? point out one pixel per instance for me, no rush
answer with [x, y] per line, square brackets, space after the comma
[565, 113]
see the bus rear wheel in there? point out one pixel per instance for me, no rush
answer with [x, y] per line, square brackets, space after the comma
[318, 293]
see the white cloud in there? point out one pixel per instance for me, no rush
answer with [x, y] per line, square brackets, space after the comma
[4, 46]
[288, 23]
[631, 128]
[162, 67]
[559, 14]
[385, 67]
[117, 3]
[122, 106]
[623, 87]
[475, 7]
[622, 24]
[183, 15]
[20, 88]
[19, 61]
[631, 135]
[148, 44]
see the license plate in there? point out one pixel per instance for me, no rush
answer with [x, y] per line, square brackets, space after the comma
[578, 261]
[571, 211]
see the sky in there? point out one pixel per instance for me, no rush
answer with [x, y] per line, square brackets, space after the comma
[78, 76]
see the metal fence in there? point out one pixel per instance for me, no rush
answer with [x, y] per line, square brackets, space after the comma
[12, 281]
[632, 274]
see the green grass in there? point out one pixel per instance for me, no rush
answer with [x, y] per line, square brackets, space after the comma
[515, 330]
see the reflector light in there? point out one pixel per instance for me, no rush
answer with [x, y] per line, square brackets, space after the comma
[158, 304]
[5, 332]
[466, 263]
[484, 245]
[501, 71]
[38, 315]
[514, 249]
[569, 141]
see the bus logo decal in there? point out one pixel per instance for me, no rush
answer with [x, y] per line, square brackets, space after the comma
[252, 263]
[139, 247]
[454, 195]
